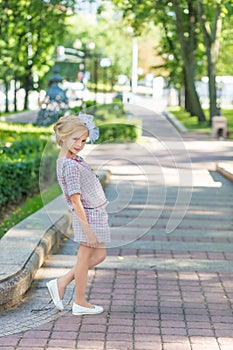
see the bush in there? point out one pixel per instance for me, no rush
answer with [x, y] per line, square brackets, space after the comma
[18, 179]
[118, 132]
[20, 162]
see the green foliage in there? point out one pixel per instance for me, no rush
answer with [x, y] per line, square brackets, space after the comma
[20, 162]
[24, 129]
[119, 132]
[31, 205]
[107, 112]
[111, 39]
[186, 53]
[29, 33]
[190, 122]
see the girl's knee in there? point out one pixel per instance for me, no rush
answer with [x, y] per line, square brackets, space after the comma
[102, 255]
[98, 256]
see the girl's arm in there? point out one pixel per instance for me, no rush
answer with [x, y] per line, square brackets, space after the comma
[80, 212]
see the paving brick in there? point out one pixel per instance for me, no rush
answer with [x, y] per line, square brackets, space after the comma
[115, 321]
[9, 340]
[205, 347]
[147, 346]
[174, 331]
[36, 334]
[120, 329]
[224, 332]
[90, 345]
[53, 348]
[225, 340]
[226, 346]
[27, 342]
[200, 332]
[199, 325]
[66, 327]
[147, 338]
[120, 336]
[118, 345]
[170, 346]
[91, 336]
[64, 335]
[147, 330]
[203, 340]
[26, 347]
[95, 328]
[62, 343]
[175, 339]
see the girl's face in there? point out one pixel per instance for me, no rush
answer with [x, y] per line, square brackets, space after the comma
[75, 142]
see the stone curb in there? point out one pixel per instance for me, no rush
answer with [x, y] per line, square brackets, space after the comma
[19, 268]
[226, 170]
[172, 119]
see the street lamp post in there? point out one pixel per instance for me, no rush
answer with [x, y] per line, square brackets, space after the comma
[105, 63]
[134, 70]
[134, 65]
[89, 53]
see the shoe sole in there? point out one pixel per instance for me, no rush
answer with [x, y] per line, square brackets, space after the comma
[87, 313]
[51, 295]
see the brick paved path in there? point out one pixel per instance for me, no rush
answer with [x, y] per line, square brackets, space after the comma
[162, 291]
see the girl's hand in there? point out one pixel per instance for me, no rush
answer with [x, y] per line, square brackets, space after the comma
[80, 212]
[92, 240]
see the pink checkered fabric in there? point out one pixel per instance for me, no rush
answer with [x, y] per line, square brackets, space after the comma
[76, 176]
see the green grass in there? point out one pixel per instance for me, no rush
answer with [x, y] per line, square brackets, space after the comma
[30, 206]
[191, 122]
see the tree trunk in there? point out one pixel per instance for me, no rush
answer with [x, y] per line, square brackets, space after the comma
[15, 95]
[27, 86]
[188, 55]
[186, 100]
[212, 88]
[211, 35]
[6, 83]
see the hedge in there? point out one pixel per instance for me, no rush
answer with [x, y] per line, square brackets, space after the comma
[118, 132]
[20, 167]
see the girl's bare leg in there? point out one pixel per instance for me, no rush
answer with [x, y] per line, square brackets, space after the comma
[64, 281]
[89, 258]
[81, 274]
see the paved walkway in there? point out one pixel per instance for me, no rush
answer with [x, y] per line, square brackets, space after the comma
[167, 281]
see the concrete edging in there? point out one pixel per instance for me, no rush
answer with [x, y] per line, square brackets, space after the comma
[179, 126]
[226, 170]
[25, 246]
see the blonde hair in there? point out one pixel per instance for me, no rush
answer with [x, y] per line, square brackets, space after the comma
[65, 126]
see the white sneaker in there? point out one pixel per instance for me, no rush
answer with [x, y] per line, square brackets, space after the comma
[81, 310]
[53, 291]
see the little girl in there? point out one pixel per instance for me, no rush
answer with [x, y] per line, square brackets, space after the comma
[86, 200]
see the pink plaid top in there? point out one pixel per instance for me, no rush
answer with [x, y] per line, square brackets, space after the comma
[76, 176]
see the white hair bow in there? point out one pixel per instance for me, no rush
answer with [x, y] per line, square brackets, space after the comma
[88, 120]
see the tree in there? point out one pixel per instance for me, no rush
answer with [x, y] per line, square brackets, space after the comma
[182, 16]
[211, 14]
[30, 31]
[185, 26]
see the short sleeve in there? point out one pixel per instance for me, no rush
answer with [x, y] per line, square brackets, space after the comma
[71, 174]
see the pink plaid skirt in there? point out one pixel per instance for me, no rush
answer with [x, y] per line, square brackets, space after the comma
[98, 220]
